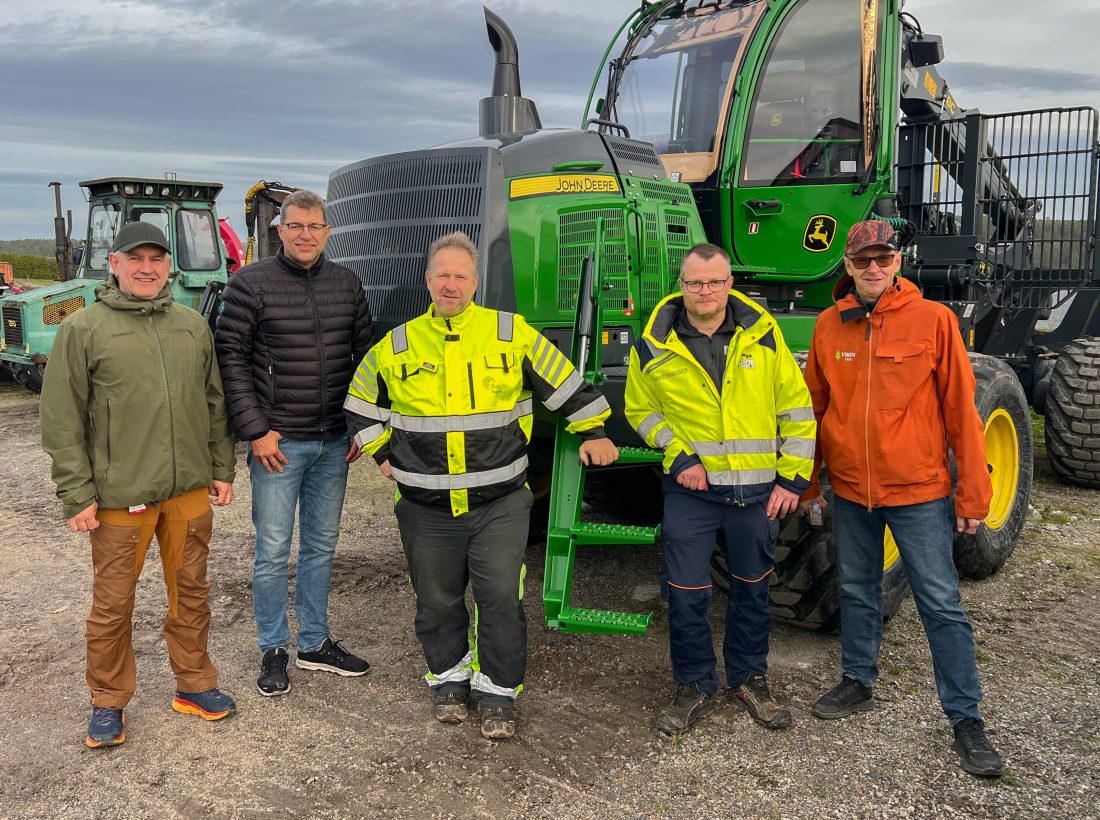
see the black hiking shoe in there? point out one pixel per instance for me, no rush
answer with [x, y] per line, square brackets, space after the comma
[846, 697]
[332, 657]
[765, 710]
[498, 716]
[449, 702]
[273, 679]
[689, 704]
[977, 753]
[106, 728]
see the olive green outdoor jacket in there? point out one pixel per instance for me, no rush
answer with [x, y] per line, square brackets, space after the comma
[132, 405]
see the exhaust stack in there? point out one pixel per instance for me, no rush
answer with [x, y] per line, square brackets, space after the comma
[507, 111]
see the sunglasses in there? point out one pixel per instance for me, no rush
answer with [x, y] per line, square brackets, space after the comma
[864, 262]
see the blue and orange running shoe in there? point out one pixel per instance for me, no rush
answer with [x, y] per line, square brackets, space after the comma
[106, 728]
[213, 704]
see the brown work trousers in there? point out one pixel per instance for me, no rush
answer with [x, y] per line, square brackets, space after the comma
[182, 526]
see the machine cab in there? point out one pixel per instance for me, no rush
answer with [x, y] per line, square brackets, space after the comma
[184, 211]
[767, 109]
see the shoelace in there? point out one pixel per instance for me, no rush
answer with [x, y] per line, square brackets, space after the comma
[103, 715]
[973, 735]
[270, 661]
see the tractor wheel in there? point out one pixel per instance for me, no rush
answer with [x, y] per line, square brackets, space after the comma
[805, 589]
[1009, 455]
[1073, 414]
[29, 376]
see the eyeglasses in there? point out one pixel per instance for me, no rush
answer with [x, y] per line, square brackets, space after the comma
[695, 287]
[298, 227]
[864, 262]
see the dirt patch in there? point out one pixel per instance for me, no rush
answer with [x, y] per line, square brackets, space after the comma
[585, 748]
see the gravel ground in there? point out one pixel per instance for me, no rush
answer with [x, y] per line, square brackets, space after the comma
[586, 747]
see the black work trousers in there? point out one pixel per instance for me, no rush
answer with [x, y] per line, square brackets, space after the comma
[483, 547]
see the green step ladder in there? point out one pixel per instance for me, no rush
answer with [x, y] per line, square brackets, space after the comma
[566, 531]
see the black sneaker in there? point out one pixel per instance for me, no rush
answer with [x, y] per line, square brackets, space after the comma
[689, 704]
[106, 728]
[449, 702]
[331, 657]
[273, 679]
[846, 697]
[765, 709]
[498, 716]
[977, 753]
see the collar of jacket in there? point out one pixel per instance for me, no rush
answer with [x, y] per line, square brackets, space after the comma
[452, 324]
[899, 294]
[751, 319]
[109, 294]
[290, 266]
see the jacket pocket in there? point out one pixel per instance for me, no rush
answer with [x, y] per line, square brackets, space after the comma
[496, 380]
[107, 436]
[899, 371]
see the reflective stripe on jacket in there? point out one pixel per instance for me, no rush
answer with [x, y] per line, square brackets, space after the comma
[449, 401]
[757, 433]
[891, 390]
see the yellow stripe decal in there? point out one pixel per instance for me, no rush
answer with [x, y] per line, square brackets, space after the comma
[564, 184]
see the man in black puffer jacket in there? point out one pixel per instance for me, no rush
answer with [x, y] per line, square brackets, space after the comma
[293, 329]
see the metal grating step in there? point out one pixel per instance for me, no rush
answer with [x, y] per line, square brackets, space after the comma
[602, 621]
[589, 533]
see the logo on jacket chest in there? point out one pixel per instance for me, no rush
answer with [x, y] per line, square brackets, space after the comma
[746, 361]
[845, 356]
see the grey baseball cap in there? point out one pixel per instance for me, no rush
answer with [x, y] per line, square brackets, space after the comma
[136, 234]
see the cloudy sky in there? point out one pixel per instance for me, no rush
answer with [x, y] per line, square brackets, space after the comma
[235, 91]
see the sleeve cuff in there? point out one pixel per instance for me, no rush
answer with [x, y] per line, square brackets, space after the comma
[682, 462]
[382, 454]
[797, 485]
[591, 434]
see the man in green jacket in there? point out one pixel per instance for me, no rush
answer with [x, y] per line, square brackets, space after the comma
[133, 417]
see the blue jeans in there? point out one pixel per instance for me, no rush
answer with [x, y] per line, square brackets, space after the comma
[313, 481]
[924, 534]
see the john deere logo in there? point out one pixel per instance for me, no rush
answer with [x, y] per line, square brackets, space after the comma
[820, 231]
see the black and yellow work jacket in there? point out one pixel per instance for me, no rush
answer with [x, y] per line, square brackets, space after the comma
[448, 402]
[755, 432]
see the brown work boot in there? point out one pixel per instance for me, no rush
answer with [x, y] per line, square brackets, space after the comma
[689, 704]
[765, 710]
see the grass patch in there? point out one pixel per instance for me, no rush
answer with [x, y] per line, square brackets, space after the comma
[982, 657]
[1051, 516]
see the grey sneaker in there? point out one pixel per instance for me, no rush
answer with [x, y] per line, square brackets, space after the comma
[449, 702]
[688, 705]
[765, 710]
[977, 753]
[846, 697]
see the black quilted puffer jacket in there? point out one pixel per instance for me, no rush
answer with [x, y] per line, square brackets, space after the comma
[288, 342]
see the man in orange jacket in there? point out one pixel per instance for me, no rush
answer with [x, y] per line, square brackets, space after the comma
[892, 386]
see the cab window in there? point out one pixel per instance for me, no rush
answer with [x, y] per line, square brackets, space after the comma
[104, 220]
[196, 241]
[806, 120]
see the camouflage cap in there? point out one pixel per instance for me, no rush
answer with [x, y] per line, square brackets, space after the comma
[135, 234]
[869, 234]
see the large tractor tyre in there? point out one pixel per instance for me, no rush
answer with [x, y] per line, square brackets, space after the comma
[30, 376]
[805, 589]
[1073, 414]
[1009, 456]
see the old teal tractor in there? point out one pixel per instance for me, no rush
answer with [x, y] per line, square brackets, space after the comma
[768, 127]
[186, 213]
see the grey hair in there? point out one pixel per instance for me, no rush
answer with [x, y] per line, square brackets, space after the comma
[457, 240]
[306, 200]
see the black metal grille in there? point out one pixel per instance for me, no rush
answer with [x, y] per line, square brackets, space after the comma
[1027, 196]
[663, 191]
[639, 153]
[13, 325]
[576, 238]
[386, 212]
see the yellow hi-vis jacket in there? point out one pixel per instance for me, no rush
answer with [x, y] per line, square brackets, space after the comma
[757, 433]
[448, 402]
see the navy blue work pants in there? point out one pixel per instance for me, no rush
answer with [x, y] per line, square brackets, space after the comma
[692, 526]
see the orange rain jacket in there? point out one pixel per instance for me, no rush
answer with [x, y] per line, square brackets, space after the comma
[890, 390]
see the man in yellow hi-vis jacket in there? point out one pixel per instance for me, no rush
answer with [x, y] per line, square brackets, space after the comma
[712, 383]
[443, 403]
